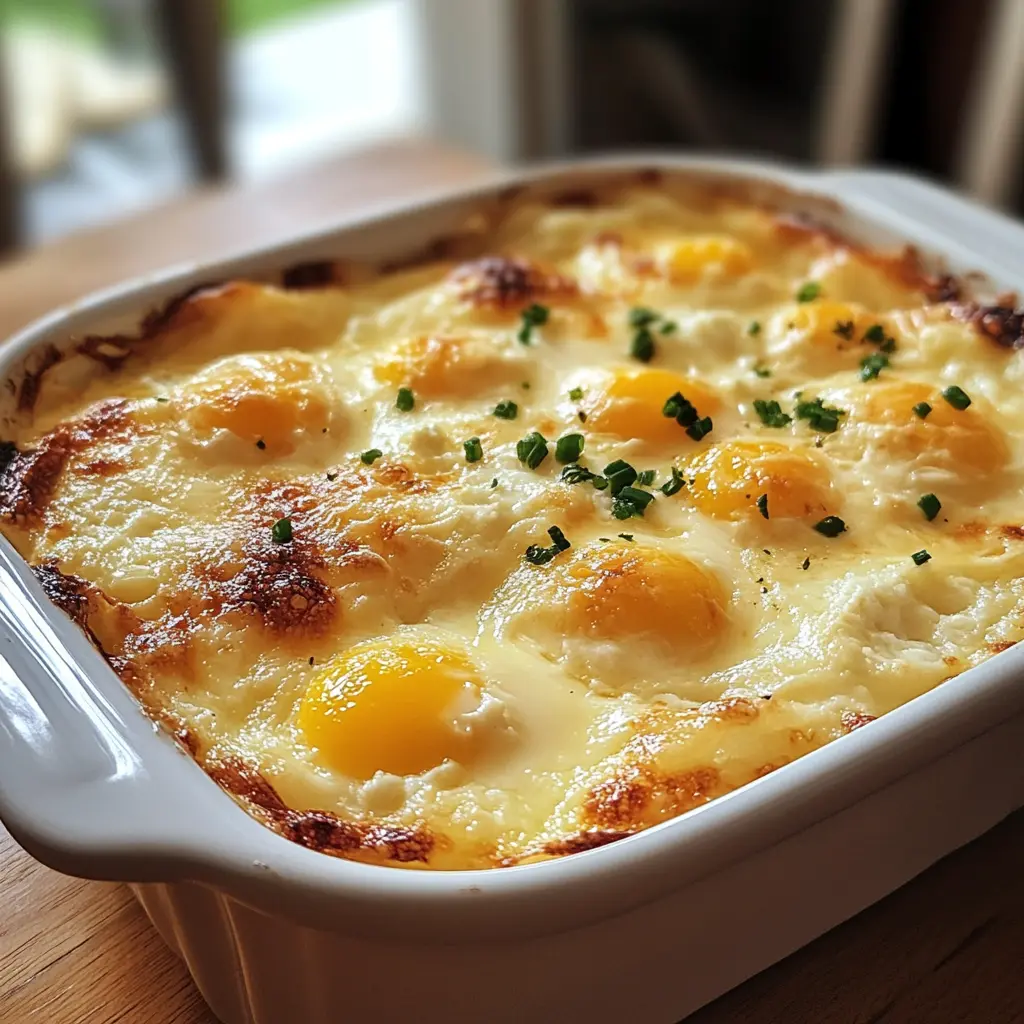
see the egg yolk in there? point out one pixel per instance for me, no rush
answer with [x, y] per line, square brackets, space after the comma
[629, 405]
[966, 438]
[728, 478]
[389, 706]
[619, 592]
[691, 257]
[266, 400]
[443, 366]
[827, 323]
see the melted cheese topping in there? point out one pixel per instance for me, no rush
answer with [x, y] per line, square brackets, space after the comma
[412, 668]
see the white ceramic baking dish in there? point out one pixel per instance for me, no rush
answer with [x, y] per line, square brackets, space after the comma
[646, 929]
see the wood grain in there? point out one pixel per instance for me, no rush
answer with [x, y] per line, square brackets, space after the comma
[946, 948]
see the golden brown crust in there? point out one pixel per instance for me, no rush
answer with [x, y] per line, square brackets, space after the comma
[1002, 325]
[69, 593]
[28, 480]
[504, 282]
[589, 839]
[28, 391]
[851, 720]
[312, 274]
[998, 646]
[639, 795]
[319, 830]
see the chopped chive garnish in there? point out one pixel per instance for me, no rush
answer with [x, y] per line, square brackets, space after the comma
[929, 505]
[820, 416]
[405, 400]
[957, 397]
[771, 414]
[558, 538]
[640, 316]
[533, 316]
[678, 408]
[370, 456]
[281, 531]
[875, 334]
[261, 444]
[645, 478]
[808, 292]
[700, 429]
[626, 536]
[754, 329]
[920, 557]
[922, 409]
[830, 526]
[889, 345]
[762, 371]
[871, 366]
[575, 394]
[474, 449]
[532, 450]
[331, 477]
[668, 327]
[762, 505]
[642, 347]
[576, 474]
[569, 447]
[619, 474]
[537, 555]
[806, 563]
[507, 410]
[631, 501]
[675, 485]
[844, 328]
[494, 483]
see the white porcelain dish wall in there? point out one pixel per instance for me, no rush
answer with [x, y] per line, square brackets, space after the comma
[646, 929]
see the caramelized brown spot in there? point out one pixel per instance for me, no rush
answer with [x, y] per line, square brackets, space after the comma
[31, 382]
[281, 587]
[243, 780]
[314, 274]
[998, 646]
[178, 310]
[640, 795]
[851, 720]
[1012, 532]
[1003, 325]
[950, 660]
[504, 282]
[944, 288]
[29, 479]
[737, 710]
[110, 351]
[582, 197]
[69, 593]
[590, 839]
[620, 801]
[102, 467]
[320, 830]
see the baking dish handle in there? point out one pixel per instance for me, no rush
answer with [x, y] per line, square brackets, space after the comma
[86, 780]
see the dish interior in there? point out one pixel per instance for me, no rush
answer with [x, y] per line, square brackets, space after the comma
[616, 500]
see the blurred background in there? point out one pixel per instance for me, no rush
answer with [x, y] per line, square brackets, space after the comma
[111, 106]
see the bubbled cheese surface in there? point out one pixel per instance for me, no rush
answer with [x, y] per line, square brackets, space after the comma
[397, 660]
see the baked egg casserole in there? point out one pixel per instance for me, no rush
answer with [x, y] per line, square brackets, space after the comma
[610, 503]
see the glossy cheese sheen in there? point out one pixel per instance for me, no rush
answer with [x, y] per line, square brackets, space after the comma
[351, 605]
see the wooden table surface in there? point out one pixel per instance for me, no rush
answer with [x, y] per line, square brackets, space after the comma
[948, 947]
